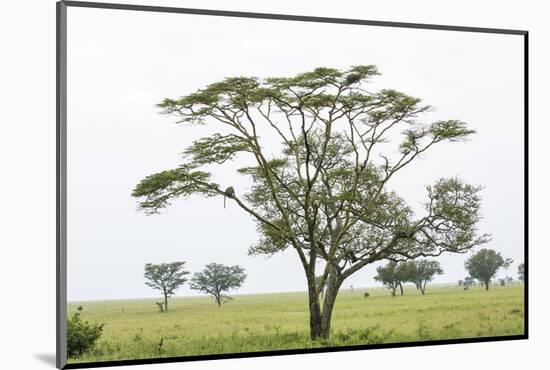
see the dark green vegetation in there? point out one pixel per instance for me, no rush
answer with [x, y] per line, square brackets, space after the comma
[418, 272]
[484, 265]
[217, 279]
[325, 192]
[391, 276]
[81, 335]
[194, 326]
[421, 272]
[166, 277]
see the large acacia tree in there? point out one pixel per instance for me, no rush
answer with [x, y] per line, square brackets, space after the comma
[324, 194]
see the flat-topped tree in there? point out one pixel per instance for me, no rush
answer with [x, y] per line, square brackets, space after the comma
[325, 194]
[217, 280]
[166, 277]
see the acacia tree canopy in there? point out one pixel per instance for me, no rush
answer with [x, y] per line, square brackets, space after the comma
[166, 277]
[422, 272]
[390, 276]
[217, 279]
[324, 195]
[484, 264]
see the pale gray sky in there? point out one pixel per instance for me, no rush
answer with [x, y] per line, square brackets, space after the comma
[120, 64]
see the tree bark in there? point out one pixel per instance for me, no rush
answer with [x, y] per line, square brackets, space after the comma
[486, 284]
[333, 286]
[314, 309]
[165, 301]
[401, 287]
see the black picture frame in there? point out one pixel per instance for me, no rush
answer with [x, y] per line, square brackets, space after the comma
[61, 172]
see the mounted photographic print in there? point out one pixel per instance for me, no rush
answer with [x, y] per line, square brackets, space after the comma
[243, 184]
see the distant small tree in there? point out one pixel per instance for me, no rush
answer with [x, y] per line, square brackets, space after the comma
[81, 335]
[521, 272]
[484, 265]
[468, 281]
[405, 271]
[217, 279]
[460, 282]
[166, 277]
[388, 276]
[422, 272]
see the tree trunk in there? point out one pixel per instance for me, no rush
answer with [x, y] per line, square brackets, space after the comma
[333, 286]
[165, 301]
[401, 288]
[487, 285]
[423, 286]
[314, 309]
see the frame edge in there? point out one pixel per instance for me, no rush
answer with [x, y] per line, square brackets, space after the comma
[61, 181]
[61, 184]
[288, 17]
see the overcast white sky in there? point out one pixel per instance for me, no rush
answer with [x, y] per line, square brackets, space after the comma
[121, 63]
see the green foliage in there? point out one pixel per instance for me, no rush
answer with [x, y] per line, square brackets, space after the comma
[158, 189]
[166, 277]
[323, 192]
[389, 275]
[81, 335]
[215, 149]
[419, 272]
[484, 265]
[217, 279]
[330, 127]
[451, 130]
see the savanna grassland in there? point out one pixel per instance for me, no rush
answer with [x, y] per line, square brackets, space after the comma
[134, 329]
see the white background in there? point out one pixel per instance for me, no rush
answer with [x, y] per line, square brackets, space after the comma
[27, 183]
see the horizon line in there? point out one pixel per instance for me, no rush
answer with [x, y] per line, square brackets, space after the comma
[256, 293]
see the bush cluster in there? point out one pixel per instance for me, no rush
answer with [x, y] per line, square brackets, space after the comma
[81, 335]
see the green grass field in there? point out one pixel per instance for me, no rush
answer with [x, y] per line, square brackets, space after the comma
[196, 326]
